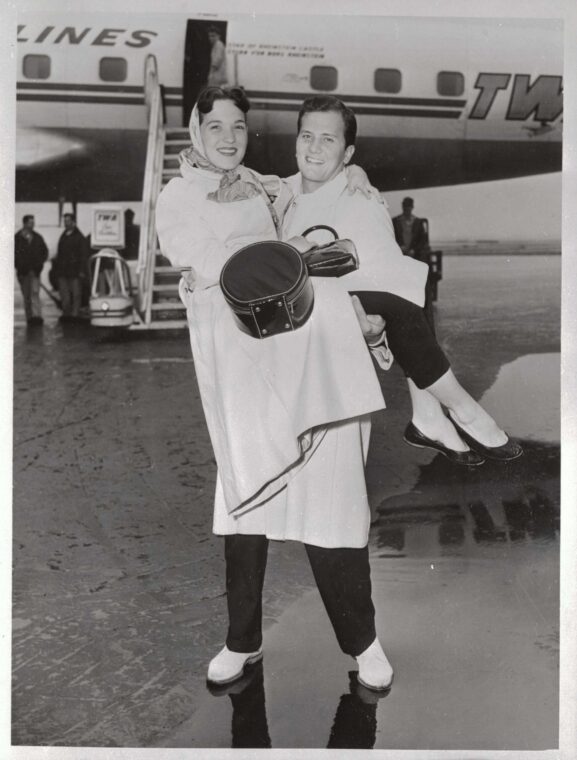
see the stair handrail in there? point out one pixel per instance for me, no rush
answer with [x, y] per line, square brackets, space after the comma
[151, 186]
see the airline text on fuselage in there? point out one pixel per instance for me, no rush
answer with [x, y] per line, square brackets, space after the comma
[542, 98]
[106, 37]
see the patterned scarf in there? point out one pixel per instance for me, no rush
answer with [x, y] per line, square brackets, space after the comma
[235, 184]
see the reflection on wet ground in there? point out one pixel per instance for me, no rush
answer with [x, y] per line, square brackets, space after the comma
[465, 584]
[354, 725]
[463, 507]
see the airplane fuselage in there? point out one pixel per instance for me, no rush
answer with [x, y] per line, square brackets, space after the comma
[438, 101]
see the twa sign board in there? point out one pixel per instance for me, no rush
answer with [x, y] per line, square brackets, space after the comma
[107, 227]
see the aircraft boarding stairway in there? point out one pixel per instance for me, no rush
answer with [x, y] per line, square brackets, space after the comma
[158, 304]
[166, 309]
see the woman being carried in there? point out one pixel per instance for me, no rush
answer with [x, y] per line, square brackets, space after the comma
[387, 284]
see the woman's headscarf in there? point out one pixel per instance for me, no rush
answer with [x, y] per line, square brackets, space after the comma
[235, 184]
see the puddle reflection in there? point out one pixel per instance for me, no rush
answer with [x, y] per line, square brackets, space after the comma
[354, 725]
[249, 723]
[451, 510]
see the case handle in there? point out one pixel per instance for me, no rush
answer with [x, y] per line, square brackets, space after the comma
[320, 227]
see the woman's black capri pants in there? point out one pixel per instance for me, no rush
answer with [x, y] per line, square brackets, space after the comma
[409, 336]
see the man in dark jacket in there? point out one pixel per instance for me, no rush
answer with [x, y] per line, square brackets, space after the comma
[410, 232]
[131, 236]
[412, 236]
[30, 253]
[71, 267]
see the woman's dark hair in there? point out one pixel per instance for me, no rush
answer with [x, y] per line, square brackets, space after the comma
[330, 103]
[208, 96]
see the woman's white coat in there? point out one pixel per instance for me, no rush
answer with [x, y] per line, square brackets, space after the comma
[288, 416]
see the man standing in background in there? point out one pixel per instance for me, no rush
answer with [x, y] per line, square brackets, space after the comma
[217, 72]
[71, 267]
[30, 253]
[412, 236]
[410, 232]
[131, 236]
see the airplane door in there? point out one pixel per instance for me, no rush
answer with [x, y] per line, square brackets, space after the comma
[197, 51]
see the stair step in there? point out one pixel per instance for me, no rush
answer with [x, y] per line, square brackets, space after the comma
[167, 302]
[168, 280]
[168, 306]
[166, 288]
[172, 134]
[162, 324]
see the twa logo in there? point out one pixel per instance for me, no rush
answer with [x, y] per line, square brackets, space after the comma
[542, 99]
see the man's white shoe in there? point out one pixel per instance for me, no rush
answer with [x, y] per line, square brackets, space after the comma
[227, 666]
[375, 671]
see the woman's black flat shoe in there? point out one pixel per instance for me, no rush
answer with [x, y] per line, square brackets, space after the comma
[414, 437]
[505, 453]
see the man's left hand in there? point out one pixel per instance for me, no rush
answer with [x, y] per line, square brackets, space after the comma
[372, 325]
[358, 181]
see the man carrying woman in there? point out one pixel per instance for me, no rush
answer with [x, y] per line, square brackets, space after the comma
[289, 416]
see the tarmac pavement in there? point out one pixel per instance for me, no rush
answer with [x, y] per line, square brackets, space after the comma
[118, 582]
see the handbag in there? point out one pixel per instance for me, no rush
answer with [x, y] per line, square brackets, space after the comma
[267, 286]
[333, 259]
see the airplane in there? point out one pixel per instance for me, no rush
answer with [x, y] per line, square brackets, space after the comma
[439, 101]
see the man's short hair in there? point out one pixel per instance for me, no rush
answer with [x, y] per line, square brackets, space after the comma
[407, 202]
[330, 103]
[27, 218]
[69, 214]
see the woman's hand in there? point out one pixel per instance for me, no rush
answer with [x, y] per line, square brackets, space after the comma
[188, 277]
[372, 325]
[301, 243]
[357, 179]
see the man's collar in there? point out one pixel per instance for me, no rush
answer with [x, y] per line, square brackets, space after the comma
[327, 192]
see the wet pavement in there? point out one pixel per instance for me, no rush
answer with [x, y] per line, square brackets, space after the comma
[118, 582]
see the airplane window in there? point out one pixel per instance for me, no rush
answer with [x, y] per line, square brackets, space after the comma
[324, 78]
[450, 83]
[113, 69]
[387, 80]
[36, 66]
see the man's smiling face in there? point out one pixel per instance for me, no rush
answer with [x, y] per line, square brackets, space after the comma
[321, 151]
